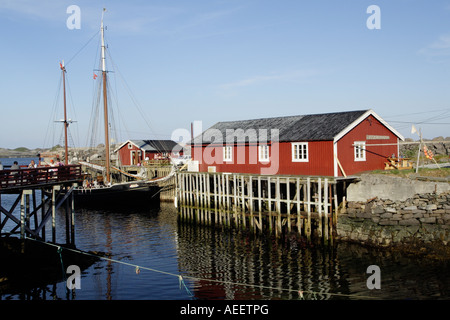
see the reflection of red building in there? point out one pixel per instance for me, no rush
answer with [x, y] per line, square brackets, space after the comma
[133, 152]
[319, 144]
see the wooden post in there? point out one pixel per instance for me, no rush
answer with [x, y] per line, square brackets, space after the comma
[43, 213]
[335, 211]
[36, 222]
[243, 201]
[288, 203]
[219, 199]
[68, 216]
[259, 204]
[197, 191]
[215, 191]
[72, 200]
[277, 206]
[326, 203]
[308, 208]
[235, 199]
[27, 207]
[208, 195]
[200, 190]
[319, 206]
[189, 188]
[250, 202]
[299, 218]
[227, 188]
[22, 216]
[54, 189]
[269, 196]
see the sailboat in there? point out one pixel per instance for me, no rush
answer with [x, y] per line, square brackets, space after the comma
[113, 193]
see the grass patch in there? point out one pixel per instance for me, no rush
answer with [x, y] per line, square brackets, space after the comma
[21, 149]
[425, 172]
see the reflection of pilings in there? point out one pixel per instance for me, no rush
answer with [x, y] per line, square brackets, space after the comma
[277, 204]
[268, 269]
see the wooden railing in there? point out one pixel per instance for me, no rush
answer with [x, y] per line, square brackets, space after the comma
[39, 176]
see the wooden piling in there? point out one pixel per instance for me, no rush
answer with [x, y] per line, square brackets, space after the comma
[277, 204]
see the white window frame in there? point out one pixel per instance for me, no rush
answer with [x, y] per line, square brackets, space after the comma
[298, 149]
[263, 153]
[227, 153]
[359, 150]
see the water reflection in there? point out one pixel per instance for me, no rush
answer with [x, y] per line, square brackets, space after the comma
[229, 264]
[247, 267]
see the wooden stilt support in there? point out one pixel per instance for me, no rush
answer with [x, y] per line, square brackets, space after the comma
[278, 204]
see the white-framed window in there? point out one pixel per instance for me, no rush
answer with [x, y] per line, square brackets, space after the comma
[360, 150]
[300, 152]
[263, 153]
[228, 153]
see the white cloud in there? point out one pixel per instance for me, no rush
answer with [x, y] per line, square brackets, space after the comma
[437, 51]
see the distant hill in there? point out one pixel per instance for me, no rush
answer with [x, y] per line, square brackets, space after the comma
[20, 152]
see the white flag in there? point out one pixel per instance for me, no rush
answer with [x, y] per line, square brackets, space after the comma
[413, 129]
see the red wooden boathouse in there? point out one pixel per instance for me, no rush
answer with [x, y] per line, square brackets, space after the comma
[134, 152]
[329, 144]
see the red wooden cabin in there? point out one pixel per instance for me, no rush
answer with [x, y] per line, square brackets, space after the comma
[134, 152]
[330, 144]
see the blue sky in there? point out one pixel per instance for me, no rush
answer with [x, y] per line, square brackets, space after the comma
[213, 61]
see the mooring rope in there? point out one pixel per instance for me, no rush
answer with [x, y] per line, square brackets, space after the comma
[182, 284]
[59, 251]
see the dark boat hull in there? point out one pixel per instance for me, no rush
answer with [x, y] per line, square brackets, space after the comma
[118, 195]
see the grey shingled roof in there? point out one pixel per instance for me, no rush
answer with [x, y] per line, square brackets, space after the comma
[291, 128]
[157, 145]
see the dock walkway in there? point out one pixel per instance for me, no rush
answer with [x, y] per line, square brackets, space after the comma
[39, 193]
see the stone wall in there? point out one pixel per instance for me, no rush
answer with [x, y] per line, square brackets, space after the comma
[424, 218]
[384, 186]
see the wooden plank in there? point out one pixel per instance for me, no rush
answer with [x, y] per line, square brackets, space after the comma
[259, 205]
[326, 204]
[250, 200]
[269, 196]
[319, 205]
[299, 218]
[278, 203]
[288, 197]
[308, 207]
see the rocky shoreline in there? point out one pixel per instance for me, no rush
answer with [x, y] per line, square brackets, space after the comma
[75, 154]
[20, 152]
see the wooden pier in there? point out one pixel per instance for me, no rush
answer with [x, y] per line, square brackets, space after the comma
[275, 204]
[36, 195]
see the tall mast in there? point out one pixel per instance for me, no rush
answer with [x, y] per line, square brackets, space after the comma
[105, 104]
[66, 124]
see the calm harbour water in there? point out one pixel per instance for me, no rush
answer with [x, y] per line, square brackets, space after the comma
[225, 264]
